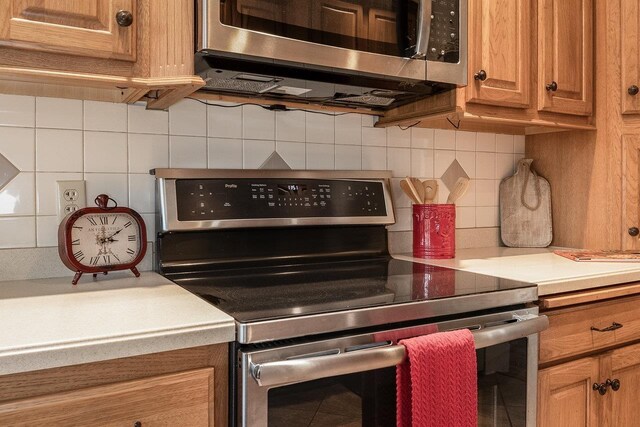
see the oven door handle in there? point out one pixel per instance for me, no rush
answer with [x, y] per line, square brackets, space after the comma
[424, 29]
[271, 374]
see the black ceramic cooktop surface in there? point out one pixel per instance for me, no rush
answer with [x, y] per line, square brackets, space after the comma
[265, 293]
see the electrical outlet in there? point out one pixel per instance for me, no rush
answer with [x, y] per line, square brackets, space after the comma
[71, 197]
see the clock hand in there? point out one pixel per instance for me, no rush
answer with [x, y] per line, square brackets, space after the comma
[110, 237]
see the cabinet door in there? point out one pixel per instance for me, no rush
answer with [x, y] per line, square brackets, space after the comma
[500, 52]
[630, 191]
[625, 368]
[169, 400]
[339, 18]
[630, 56]
[565, 394]
[75, 27]
[565, 56]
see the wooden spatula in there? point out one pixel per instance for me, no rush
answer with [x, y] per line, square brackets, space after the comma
[430, 190]
[410, 191]
[461, 187]
[417, 184]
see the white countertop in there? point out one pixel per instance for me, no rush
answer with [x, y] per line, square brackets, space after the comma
[552, 273]
[50, 323]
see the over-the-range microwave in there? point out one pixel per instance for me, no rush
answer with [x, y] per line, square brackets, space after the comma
[375, 53]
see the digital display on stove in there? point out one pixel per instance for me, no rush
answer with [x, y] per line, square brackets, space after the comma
[219, 199]
[292, 189]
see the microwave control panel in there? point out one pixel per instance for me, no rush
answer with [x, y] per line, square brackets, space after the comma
[221, 199]
[444, 38]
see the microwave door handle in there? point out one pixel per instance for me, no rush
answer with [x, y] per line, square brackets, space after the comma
[424, 29]
[272, 374]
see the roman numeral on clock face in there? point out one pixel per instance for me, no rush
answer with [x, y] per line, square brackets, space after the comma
[128, 224]
[131, 251]
[104, 220]
[79, 255]
[94, 260]
[75, 242]
[132, 238]
[92, 221]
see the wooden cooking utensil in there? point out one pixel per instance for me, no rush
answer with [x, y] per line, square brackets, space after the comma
[430, 190]
[410, 191]
[417, 184]
[461, 187]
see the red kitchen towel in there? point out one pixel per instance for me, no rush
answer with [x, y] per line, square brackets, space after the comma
[437, 383]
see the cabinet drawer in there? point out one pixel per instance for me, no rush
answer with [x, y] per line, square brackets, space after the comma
[570, 330]
[184, 399]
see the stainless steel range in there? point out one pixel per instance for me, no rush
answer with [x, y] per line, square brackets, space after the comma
[300, 260]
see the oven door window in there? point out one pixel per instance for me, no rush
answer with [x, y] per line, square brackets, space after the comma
[385, 27]
[369, 398]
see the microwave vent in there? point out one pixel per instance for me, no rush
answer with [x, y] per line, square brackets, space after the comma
[241, 85]
[372, 100]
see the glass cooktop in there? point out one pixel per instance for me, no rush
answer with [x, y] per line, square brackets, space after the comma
[286, 291]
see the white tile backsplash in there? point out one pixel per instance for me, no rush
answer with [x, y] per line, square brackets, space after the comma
[58, 113]
[320, 128]
[142, 120]
[256, 152]
[18, 145]
[290, 126]
[348, 129]
[142, 193]
[348, 157]
[112, 184]
[17, 110]
[113, 146]
[147, 152]
[105, 116]
[105, 152]
[187, 151]
[224, 153]
[18, 197]
[18, 232]
[189, 118]
[58, 150]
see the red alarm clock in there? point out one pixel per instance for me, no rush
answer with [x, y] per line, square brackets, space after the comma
[102, 239]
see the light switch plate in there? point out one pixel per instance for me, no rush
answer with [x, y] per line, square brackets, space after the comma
[7, 171]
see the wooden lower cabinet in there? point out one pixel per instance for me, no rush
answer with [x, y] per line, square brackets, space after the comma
[565, 394]
[183, 399]
[176, 388]
[590, 359]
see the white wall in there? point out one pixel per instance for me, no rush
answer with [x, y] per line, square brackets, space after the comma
[112, 147]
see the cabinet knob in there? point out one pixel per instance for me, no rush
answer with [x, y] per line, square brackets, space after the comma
[480, 75]
[600, 388]
[634, 231]
[124, 18]
[137, 424]
[552, 87]
[614, 384]
[633, 90]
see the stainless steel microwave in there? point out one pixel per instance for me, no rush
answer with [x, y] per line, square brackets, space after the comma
[382, 48]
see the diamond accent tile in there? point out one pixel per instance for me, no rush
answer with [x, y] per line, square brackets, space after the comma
[451, 175]
[275, 161]
[7, 171]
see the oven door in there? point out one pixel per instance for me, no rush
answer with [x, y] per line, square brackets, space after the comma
[350, 381]
[390, 38]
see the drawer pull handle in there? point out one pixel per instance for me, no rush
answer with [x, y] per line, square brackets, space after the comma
[613, 327]
[614, 384]
[600, 388]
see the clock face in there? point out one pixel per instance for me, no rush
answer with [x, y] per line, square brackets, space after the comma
[105, 239]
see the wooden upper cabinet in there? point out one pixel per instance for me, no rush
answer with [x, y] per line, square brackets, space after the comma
[500, 52]
[630, 190]
[566, 397]
[565, 56]
[630, 57]
[75, 27]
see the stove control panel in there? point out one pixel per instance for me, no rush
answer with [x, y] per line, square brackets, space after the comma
[238, 199]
